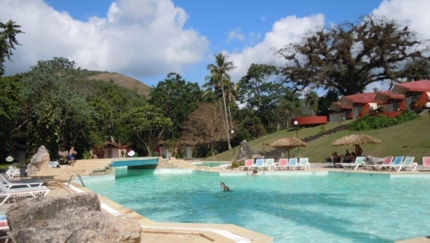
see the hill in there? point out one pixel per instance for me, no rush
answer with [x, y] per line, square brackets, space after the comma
[123, 81]
[407, 139]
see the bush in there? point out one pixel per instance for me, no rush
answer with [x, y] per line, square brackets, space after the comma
[236, 164]
[380, 121]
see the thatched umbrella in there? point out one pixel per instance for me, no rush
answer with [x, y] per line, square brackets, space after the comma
[289, 143]
[356, 139]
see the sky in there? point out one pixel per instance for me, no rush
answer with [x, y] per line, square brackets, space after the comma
[147, 39]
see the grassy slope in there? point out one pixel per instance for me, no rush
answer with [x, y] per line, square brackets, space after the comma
[123, 81]
[408, 139]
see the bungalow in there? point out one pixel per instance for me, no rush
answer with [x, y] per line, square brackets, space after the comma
[391, 104]
[114, 150]
[416, 94]
[353, 106]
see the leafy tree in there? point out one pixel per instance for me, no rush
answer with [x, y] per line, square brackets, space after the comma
[177, 99]
[324, 102]
[259, 91]
[10, 108]
[148, 126]
[311, 100]
[8, 41]
[290, 106]
[205, 126]
[54, 115]
[350, 56]
[219, 80]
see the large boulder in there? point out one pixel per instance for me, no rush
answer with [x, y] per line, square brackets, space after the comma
[245, 151]
[73, 218]
[39, 159]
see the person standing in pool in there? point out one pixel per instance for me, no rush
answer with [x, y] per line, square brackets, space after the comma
[224, 187]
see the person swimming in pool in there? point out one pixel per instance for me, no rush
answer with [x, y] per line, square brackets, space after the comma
[224, 187]
[254, 172]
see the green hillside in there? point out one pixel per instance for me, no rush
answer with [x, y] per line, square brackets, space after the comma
[409, 139]
[123, 81]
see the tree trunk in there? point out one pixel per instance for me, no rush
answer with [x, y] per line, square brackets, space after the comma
[226, 116]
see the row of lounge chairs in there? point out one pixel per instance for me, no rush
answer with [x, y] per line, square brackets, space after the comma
[397, 163]
[21, 189]
[283, 164]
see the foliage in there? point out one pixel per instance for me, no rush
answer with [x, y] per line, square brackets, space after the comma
[147, 125]
[53, 114]
[8, 41]
[324, 102]
[259, 92]
[236, 164]
[370, 122]
[311, 100]
[350, 56]
[204, 126]
[177, 99]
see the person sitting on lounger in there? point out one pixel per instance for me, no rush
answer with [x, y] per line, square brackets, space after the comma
[224, 187]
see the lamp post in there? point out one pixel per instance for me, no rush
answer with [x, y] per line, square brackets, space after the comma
[232, 135]
[296, 123]
[428, 107]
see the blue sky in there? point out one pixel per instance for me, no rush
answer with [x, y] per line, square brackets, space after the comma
[146, 39]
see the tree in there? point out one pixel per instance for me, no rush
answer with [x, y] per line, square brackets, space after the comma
[204, 126]
[218, 80]
[8, 41]
[325, 101]
[259, 91]
[350, 56]
[53, 114]
[148, 125]
[311, 100]
[177, 99]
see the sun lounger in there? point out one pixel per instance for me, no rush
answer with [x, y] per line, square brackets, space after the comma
[22, 192]
[408, 162]
[304, 162]
[54, 164]
[269, 163]
[259, 164]
[22, 183]
[225, 166]
[12, 171]
[359, 161]
[292, 163]
[282, 164]
[248, 164]
[396, 162]
[426, 162]
[385, 164]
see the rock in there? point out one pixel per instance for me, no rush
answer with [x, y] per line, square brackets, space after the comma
[245, 151]
[73, 218]
[38, 160]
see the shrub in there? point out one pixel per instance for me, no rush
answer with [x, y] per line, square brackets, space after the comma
[236, 164]
[380, 121]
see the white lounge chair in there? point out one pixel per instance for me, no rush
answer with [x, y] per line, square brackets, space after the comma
[12, 171]
[304, 162]
[408, 162]
[22, 183]
[248, 164]
[385, 164]
[282, 164]
[22, 192]
[269, 163]
[54, 164]
[358, 162]
[396, 162]
[292, 163]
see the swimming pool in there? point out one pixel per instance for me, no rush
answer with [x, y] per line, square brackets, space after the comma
[338, 207]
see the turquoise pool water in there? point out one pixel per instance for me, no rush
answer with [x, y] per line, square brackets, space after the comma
[338, 207]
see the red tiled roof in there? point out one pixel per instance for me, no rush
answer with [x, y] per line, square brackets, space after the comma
[363, 98]
[386, 95]
[338, 106]
[416, 86]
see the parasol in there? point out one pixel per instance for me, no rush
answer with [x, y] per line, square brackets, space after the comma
[356, 139]
[289, 143]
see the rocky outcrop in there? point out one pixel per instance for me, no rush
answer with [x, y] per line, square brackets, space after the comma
[38, 160]
[73, 218]
[245, 151]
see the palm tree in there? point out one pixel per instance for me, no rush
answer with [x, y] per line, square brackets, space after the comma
[217, 79]
[7, 41]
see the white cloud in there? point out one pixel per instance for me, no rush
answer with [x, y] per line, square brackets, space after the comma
[284, 31]
[139, 38]
[235, 35]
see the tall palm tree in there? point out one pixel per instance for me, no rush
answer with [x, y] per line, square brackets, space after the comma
[7, 41]
[311, 100]
[217, 79]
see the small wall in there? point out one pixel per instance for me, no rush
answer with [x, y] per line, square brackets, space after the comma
[310, 120]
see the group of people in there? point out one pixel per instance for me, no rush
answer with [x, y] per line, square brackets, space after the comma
[347, 157]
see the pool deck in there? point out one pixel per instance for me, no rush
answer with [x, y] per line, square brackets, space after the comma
[160, 232]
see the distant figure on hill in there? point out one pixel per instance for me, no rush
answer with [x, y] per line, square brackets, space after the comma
[224, 187]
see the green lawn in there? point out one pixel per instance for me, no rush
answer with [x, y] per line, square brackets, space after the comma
[408, 139]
